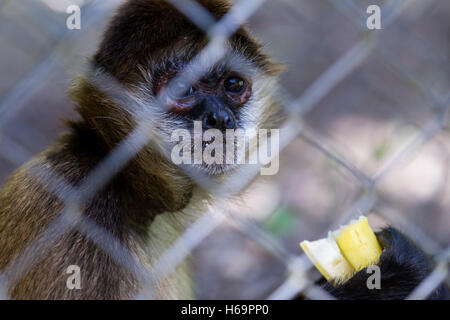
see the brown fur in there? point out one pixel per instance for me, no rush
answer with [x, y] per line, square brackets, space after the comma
[140, 33]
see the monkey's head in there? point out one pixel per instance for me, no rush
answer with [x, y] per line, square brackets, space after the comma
[157, 57]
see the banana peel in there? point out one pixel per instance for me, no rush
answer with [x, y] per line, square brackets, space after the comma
[345, 251]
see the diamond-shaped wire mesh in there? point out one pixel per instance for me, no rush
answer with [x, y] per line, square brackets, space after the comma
[367, 133]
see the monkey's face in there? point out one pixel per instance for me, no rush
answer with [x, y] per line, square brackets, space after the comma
[148, 46]
[219, 112]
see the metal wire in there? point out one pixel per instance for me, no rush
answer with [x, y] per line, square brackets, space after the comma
[299, 280]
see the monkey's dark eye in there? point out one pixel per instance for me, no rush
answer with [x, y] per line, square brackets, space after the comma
[234, 85]
[179, 90]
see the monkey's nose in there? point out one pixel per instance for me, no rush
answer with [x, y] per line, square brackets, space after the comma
[222, 120]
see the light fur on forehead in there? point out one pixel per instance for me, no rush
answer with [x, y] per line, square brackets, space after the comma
[186, 57]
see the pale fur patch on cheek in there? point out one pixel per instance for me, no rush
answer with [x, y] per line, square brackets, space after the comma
[150, 111]
[253, 111]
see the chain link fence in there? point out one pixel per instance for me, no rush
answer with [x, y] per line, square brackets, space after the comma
[367, 133]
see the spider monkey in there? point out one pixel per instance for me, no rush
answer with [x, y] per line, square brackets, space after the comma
[150, 201]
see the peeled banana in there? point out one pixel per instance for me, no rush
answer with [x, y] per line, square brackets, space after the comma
[345, 251]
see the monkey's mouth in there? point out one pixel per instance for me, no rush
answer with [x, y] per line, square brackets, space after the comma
[216, 159]
[210, 155]
[212, 146]
[207, 143]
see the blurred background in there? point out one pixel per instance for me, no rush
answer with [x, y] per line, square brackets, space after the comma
[383, 120]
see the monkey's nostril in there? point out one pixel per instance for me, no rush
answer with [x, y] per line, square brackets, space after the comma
[229, 122]
[210, 120]
[218, 120]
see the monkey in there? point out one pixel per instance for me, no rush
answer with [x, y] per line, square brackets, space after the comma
[150, 201]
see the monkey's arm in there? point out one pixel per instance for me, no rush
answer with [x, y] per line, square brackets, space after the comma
[403, 266]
